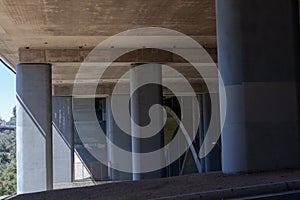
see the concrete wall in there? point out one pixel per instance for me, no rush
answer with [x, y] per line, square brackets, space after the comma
[89, 144]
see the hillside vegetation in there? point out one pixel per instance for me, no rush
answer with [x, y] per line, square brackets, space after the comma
[8, 159]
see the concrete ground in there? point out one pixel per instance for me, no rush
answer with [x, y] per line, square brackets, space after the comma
[175, 186]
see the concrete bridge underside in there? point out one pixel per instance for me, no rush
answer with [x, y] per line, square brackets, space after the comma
[257, 55]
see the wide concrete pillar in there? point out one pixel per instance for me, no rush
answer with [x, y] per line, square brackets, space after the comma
[258, 53]
[142, 99]
[34, 128]
[118, 138]
[63, 140]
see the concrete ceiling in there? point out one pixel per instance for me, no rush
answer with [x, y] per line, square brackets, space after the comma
[63, 32]
[74, 23]
[31, 29]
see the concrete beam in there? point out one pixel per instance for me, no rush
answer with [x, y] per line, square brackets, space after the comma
[66, 89]
[55, 55]
[68, 71]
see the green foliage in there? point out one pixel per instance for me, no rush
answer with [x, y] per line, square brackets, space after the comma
[8, 160]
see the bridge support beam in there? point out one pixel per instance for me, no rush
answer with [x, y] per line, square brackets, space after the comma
[34, 128]
[261, 128]
[142, 99]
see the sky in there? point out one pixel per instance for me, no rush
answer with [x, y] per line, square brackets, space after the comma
[7, 92]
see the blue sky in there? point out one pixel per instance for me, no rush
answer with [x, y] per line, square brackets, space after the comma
[8, 92]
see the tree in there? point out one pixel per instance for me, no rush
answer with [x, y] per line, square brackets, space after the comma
[12, 120]
[14, 112]
[2, 122]
[8, 159]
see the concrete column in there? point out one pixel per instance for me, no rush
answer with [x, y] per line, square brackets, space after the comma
[212, 161]
[213, 157]
[201, 131]
[118, 138]
[63, 140]
[258, 53]
[34, 128]
[142, 100]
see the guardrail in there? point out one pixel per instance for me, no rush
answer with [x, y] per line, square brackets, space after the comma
[7, 127]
